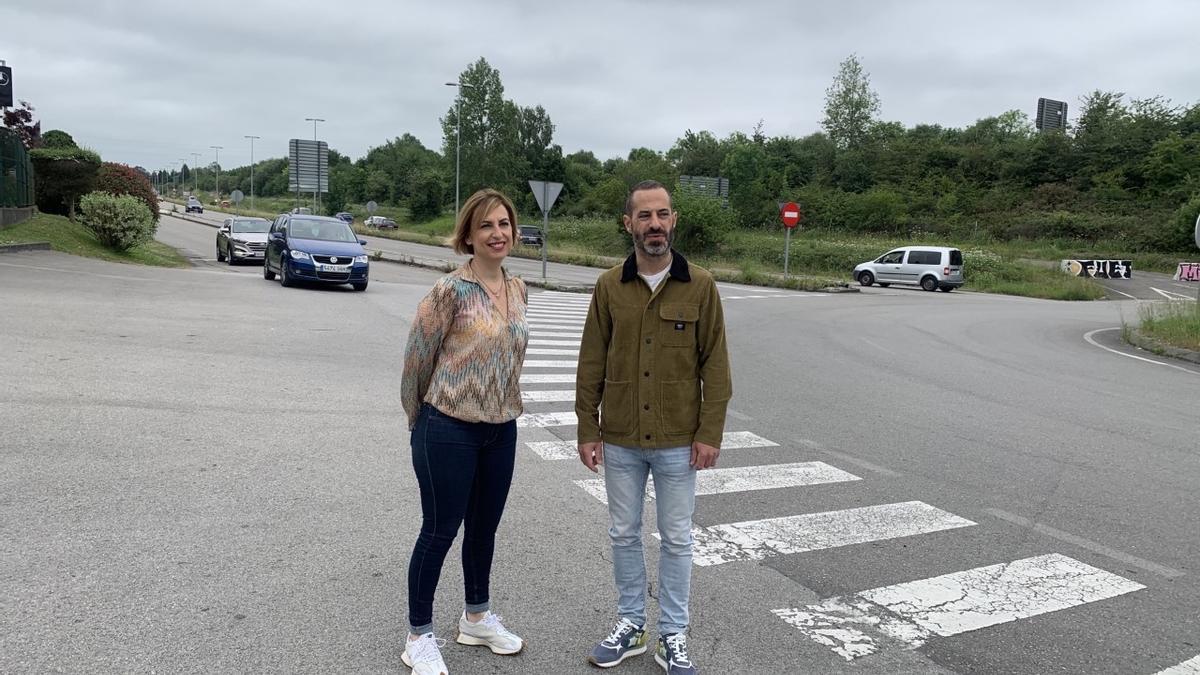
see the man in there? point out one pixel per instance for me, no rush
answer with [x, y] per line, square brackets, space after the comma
[652, 386]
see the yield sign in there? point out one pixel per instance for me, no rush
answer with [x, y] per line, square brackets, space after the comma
[546, 193]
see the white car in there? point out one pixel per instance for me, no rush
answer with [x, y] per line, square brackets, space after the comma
[930, 267]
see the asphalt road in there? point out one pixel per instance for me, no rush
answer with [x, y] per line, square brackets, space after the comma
[206, 472]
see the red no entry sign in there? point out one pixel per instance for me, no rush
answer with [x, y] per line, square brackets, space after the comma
[790, 214]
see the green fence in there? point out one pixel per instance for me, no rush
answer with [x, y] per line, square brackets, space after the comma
[16, 172]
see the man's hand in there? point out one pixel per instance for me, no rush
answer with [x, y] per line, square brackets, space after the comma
[592, 454]
[703, 456]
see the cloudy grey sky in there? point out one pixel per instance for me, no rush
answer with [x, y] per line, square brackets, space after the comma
[149, 82]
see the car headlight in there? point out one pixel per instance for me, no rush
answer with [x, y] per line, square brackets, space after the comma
[299, 255]
[360, 259]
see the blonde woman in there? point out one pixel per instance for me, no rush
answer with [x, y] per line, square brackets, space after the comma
[460, 390]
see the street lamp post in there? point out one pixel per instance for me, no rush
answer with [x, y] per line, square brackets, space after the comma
[179, 183]
[317, 188]
[195, 173]
[457, 137]
[252, 170]
[218, 149]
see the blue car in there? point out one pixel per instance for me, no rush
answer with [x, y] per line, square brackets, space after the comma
[315, 248]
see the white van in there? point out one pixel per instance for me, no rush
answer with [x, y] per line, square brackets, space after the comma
[930, 267]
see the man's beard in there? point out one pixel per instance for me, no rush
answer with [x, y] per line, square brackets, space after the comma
[654, 250]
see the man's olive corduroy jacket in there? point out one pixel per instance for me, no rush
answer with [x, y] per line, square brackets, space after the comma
[653, 367]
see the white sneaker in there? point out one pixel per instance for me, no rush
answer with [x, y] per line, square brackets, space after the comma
[488, 632]
[424, 655]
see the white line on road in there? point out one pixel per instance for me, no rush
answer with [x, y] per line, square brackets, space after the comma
[1091, 341]
[551, 419]
[951, 604]
[744, 479]
[1094, 547]
[547, 378]
[731, 440]
[538, 321]
[551, 352]
[547, 396]
[758, 539]
[551, 364]
[556, 334]
[1189, 667]
[1170, 295]
[1131, 297]
[555, 343]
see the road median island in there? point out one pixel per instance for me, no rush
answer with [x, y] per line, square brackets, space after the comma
[1137, 338]
[46, 231]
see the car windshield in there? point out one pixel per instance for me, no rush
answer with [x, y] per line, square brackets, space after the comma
[321, 231]
[256, 226]
[525, 229]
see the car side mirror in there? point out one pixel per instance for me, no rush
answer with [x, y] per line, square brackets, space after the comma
[224, 228]
[362, 242]
[277, 235]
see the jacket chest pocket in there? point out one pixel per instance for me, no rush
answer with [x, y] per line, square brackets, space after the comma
[677, 324]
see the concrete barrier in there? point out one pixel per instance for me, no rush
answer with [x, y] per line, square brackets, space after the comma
[1100, 269]
[1187, 271]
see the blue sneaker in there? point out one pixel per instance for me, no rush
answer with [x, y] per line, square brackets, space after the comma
[672, 655]
[626, 639]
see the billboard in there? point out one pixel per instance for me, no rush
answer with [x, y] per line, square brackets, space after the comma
[6, 89]
[308, 166]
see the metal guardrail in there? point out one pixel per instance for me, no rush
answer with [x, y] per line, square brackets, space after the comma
[16, 172]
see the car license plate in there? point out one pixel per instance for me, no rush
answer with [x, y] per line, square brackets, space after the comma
[335, 268]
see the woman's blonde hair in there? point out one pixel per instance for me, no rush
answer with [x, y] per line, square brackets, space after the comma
[473, 211]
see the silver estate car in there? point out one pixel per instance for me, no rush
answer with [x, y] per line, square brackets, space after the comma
[242, 238]
[930, 267]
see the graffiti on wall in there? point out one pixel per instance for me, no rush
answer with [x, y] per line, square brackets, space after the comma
[1188, 272]
[1101, 269]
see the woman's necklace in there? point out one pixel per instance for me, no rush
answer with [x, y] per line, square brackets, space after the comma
[494, 293]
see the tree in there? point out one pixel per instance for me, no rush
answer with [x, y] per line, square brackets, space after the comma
[121, 179]
[20, 120]
[697, 154]
[56, 138]
[491, 144]
[850, 104]
[63, 176]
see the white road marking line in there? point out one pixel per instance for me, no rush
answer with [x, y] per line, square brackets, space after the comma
[547, 396]
[538, 321]
[1131, 297]
[758, 539]
[1170, 295]
[551, 419]
[557, 334]
[551, 364]
[913, 612]
[734, 440]
[554, 450]
[557, 310]
[533, 302]
[547, 378]
[555, 343]
[1088, 337]
[551, 352]
[744, 479]
[1189, 667]
[1094, 547]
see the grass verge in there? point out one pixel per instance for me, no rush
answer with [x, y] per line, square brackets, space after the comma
[1175, 323]
[74, 238]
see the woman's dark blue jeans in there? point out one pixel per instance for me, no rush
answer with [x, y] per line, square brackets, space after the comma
[464, 470]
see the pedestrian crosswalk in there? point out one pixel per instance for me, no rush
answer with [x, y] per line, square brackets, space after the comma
[860, 623]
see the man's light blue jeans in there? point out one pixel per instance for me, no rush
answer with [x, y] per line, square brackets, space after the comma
[625, 472]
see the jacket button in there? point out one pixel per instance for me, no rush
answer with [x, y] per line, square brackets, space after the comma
[647, 340]
[647, 373]
[647, 436]
[646, 407]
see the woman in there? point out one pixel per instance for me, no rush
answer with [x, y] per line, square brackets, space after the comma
[462, 370]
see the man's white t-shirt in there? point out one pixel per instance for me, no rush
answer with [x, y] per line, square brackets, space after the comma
[653, 280]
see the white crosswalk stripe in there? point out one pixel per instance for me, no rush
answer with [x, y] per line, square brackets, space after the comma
[744, 479]
[758, 539]
[555, 343]
[538, 351]
[1189, 667]
[549, 419]
[554, 322]
[550, 364]
[912, 612]
[731, 440]
[547, 378]
[548, 396]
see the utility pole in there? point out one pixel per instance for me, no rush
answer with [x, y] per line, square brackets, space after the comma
[195, 173]
[317, 189]
[252, 170]
[179, 183]
[218, 149]
[457, 137]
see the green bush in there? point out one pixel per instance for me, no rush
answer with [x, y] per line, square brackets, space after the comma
[703, 223]
[57, 138]
[119, 222]
[62, 176]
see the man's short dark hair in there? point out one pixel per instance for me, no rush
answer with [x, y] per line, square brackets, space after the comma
[646, 185]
